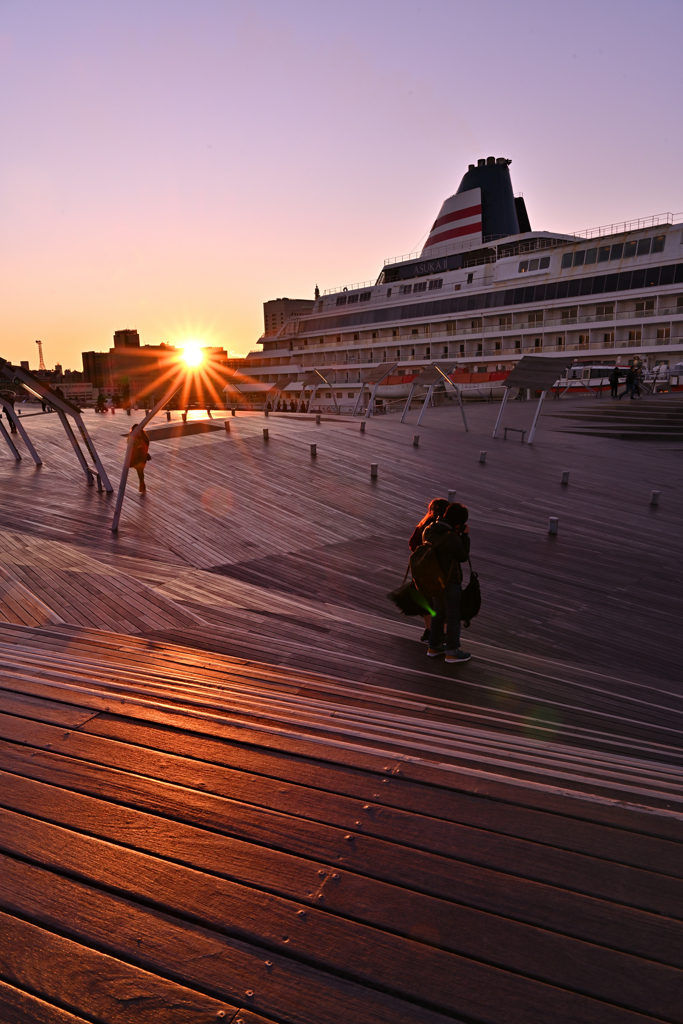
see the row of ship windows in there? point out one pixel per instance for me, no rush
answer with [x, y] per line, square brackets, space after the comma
[618, 251]
[354, 297]
[421, 286]
[540, 264]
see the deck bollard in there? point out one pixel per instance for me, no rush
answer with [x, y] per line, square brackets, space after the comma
[416, 440]
[265, 433]
[373, 470]
[314, 450]
[184, 415]
[451, 497]
[227, 426]
[654, 498]
[317, 418]
[362, 427]
[168, 415]
[553, 522]
[482, 457]
[232, 411]
[265, 412]
[565, 477]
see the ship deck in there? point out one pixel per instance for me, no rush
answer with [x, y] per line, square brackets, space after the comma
[234, 787]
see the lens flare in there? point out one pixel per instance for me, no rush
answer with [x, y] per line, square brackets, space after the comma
[192, 354]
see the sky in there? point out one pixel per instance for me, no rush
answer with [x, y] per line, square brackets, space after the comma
[169, 165]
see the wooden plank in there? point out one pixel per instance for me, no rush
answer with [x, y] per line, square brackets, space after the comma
[637, 819]
[460, 928]
[220, 965]
[406, 968]
[100, 986]
[17, 1007]
[282, 808]
[511, 819]
[42, 710]
[479, 887]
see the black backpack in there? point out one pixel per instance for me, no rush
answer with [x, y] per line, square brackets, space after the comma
[427, 574]
[470, 602]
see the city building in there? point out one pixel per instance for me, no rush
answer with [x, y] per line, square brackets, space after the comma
[276, 312]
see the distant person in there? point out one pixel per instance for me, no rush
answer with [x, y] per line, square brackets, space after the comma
[140, 455]
[9, 398]
[100, 403]
[630, 383]
[614, 383]
[449, 536]
[437, 506]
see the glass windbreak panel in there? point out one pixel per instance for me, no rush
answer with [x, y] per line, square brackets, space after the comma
[545, 263]
[617, 251]
[630, 249]
[658, 243]
[644, 246]
[591, 255]
[603, 253]
[567, 260]
[579, 257]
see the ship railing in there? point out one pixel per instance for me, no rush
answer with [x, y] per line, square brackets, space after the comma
[655, 221]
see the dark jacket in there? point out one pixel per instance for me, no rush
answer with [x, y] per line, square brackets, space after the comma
[451, 548]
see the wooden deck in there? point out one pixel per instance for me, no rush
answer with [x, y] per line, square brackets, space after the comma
[234, 787]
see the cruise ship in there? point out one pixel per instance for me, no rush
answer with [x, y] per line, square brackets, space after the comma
[485, 290]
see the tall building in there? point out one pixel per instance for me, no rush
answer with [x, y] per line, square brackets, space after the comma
[126, 339]
[276, 312]
[97, 369]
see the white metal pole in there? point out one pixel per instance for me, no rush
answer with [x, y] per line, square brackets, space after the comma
[500, 411]
[408, 401]
[538, 413]
[10, 443]
[20, 427]
[129, 449]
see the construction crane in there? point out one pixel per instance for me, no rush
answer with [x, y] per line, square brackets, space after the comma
[41, 364]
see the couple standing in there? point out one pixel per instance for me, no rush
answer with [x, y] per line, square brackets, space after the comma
[444, 529]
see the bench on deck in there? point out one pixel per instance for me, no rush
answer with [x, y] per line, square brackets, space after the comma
[515, 430]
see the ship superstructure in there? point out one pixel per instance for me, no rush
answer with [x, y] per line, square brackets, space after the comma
[484, 290]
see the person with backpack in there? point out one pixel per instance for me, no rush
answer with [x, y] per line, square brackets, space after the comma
[140, 455]
[437, 507]
[438, 575]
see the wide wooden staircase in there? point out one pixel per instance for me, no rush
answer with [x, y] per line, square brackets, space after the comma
[192, 836]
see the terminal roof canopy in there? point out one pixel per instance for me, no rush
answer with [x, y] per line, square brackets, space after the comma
[378, 373]
[537, 372]
[434, 373]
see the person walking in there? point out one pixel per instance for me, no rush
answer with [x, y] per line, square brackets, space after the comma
[140, 455]
[630, 384]
[449, 536]
[614, 382]
[437, 506]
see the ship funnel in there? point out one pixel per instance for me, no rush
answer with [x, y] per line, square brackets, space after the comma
[483, 208]
[498, 210]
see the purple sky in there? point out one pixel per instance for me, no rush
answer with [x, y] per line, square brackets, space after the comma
[170, 164]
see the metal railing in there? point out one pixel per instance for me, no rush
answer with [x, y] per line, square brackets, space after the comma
[655, 221]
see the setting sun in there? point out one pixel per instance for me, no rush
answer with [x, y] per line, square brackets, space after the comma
[192, 354]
